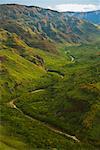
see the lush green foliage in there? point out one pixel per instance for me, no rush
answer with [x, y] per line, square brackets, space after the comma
[48, 88]
[69, 102]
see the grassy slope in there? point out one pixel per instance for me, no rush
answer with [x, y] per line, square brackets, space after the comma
[70, 103]
[19, 75]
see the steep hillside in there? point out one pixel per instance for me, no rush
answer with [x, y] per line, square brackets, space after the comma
[49, 81]
[92, 16]
[45, 26]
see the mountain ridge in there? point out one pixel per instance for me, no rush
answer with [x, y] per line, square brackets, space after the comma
[9, 4]
[91, 16]
[51, 25]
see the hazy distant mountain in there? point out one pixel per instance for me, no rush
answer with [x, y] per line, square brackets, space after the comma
[92, 16]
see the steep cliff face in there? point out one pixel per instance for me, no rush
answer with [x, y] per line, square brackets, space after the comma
[45, 26]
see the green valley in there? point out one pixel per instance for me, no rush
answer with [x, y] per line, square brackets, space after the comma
[49, 81]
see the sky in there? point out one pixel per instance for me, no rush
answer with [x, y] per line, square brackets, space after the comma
[60, 5]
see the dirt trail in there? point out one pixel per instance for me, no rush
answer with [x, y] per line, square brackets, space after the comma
[39, 90]
[62, 133]
[12, 104]
[72, 58]
[57, 72]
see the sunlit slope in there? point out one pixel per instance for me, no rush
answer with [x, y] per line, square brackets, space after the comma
[65, 100]
[40, 27]
[50, 91]
[24, 70]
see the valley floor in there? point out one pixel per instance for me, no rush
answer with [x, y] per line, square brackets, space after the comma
[53, 105]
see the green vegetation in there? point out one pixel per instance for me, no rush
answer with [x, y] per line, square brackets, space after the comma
[46, 91]
[69, 102]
